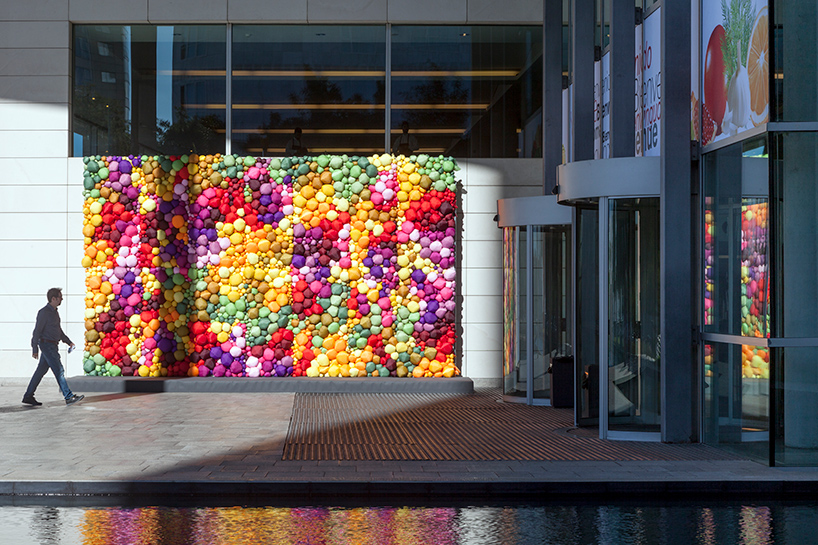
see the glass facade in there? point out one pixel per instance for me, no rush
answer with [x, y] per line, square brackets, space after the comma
[329, 81]
[149, 89]
[736, 296]
[736, 408]
[466, 91]
[794, 289]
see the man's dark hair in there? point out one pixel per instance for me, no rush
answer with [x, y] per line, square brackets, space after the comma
[53, 292]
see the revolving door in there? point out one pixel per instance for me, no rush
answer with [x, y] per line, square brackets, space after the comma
[617, 295]
[536, 299]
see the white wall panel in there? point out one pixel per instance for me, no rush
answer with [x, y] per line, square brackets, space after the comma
[353, 11]
[27, 116]
[18, 198]
[483, 199]
[253, 11]
[481, 227]
[35, 62]
[487, 281]
[34, 88]
[484, 309]
[484, 364]
[484, 337]
[36, 253]
[529, 12]
[31, 228]
[478, 253]
[114, 11]
[33, 144]
[41, 10]
[449, 12]
[173, 11]
[43, 171]
[34, 34]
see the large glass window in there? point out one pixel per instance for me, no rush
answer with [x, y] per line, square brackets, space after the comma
[149, 89]
[467, 91]
[328, 81]
[736, 409]
[736, 294]
[736, 297]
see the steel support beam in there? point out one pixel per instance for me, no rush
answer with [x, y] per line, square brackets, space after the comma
[623, 44]
[582, 72]
[552, 92]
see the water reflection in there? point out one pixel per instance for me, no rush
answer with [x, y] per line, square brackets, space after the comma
[620, 524]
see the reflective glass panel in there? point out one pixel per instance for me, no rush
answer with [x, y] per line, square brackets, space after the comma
[467, 91]
[511, 345]
[550, 301]
[796, 395]
[328, 81]
[736, 291]
[795, 291]
[149, 89]
[633, 315]
[736, 413]
[587, 316]
[794, 64]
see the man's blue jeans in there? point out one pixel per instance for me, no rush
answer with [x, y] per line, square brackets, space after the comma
[49, 357]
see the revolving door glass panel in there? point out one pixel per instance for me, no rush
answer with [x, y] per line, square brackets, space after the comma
[633, 383]
[587, 317]
[536, 309]
[550, 291]
[515, 356]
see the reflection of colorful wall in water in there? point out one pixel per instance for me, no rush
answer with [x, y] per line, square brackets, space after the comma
[509, 299]
[238, 525]
[243, 266]
[755, 291]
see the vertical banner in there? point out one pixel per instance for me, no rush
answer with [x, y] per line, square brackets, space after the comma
[566, 126]
[597, 120]
[651, 92]
[637, 92]
[605, 114]
[734, 68]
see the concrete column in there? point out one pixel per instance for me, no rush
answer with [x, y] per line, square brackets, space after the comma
[677, 353]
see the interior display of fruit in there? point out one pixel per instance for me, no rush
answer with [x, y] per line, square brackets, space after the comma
[755, 291]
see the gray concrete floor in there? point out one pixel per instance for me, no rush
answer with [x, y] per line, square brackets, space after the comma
[223, 442]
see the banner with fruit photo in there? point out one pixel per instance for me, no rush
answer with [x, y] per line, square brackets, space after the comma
[735, 68]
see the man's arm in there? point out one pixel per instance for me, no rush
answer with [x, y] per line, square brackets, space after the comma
[38, 331]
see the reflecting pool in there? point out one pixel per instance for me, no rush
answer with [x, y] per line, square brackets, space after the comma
[579, 524]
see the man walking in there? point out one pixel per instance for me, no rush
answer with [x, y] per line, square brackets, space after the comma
[45, 340]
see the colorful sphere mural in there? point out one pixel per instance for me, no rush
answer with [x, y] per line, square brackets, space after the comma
[233, 266]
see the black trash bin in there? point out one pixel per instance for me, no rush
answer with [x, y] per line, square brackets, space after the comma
[562, 382]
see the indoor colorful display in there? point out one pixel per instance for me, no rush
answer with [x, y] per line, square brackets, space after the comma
[232, 266]
[755, 291]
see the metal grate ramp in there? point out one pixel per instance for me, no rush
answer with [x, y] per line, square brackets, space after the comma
[474, 427]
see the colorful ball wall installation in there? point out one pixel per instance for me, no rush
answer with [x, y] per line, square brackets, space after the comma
[211, 265]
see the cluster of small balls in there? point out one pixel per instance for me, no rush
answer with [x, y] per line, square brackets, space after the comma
[225, 265]
[755, 294]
